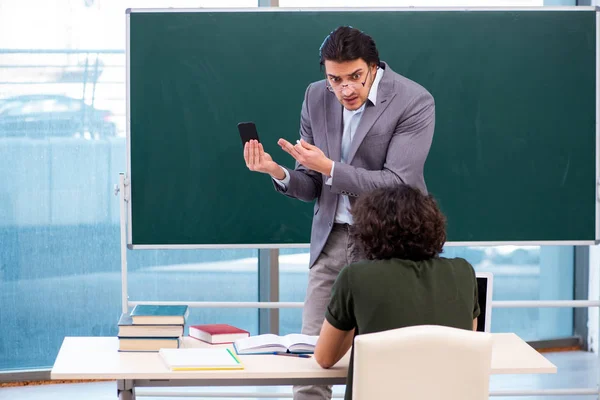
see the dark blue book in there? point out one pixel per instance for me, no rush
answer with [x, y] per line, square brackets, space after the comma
[147, 344]
[159, 315]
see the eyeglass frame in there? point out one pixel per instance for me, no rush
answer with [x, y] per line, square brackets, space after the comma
[347, 85]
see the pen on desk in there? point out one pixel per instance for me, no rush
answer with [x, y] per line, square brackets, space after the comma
[291, 354]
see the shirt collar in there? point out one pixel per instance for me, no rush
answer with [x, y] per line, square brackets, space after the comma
[372, 97]
[373, 92]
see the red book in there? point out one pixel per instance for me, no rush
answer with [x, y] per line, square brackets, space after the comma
[217, 333]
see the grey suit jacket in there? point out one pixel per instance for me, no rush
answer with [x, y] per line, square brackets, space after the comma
[390, 147]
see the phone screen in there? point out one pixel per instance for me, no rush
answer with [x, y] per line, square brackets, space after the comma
[248, 131]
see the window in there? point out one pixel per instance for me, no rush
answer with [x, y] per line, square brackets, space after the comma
[59, 219]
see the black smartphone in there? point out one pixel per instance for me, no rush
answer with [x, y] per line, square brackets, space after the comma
[248, 132]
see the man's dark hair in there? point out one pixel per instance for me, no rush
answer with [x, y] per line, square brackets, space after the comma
[349, 44]
[398, 222]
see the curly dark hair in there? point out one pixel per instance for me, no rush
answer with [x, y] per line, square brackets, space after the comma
[398, 222]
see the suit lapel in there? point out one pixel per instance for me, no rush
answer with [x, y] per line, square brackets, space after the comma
[333, 117]
[371, 112]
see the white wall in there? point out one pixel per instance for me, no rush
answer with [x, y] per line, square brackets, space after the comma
[73, 24]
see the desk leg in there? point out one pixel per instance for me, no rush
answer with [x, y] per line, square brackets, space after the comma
[125, 389]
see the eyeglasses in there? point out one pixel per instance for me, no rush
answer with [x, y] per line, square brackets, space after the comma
[338, 87]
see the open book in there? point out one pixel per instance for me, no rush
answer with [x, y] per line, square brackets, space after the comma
[269, 343]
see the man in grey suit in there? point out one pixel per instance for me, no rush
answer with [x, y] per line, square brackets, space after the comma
[361, 128]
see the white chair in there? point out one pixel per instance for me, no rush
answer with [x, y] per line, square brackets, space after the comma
[424, 362]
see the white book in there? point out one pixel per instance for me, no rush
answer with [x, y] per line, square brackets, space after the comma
[269, 343]
[195, 359]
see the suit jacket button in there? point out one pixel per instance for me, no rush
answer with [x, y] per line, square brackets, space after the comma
[330, 224]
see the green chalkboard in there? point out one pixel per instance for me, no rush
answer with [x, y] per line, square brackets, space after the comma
[514, 151]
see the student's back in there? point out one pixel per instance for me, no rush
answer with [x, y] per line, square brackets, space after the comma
[404, 282]
[378, 295]
[389, 294]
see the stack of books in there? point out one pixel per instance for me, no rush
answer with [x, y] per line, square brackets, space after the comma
[151, 328]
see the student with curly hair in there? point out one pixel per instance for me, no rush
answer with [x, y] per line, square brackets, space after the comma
[404, 282]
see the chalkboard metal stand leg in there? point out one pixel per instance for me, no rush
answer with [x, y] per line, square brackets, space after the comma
[268, 290]
[122, 190]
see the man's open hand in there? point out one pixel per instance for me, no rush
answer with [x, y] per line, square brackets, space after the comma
[308, 155]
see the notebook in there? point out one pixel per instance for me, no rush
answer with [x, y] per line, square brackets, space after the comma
[194, 359]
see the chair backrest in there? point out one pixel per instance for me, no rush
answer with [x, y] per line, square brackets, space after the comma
[424, 362]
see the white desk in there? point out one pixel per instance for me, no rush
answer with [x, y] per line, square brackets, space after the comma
[98, 358]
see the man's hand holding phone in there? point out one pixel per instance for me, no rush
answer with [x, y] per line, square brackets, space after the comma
[257, 159]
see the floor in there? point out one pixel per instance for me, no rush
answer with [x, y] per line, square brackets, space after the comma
[575, 370]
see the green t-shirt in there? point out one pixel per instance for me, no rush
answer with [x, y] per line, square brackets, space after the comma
[375, 296]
